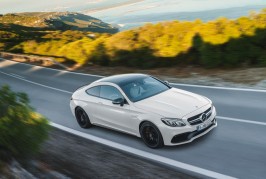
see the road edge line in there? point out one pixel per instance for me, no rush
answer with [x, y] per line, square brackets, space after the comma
[38, 84]
[178, 84]
[57, 89]
[220, 87]
[143, 154]
[241, 120]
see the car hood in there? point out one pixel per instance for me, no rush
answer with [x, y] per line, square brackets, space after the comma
[174, 103]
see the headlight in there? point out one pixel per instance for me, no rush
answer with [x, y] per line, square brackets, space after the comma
[173, 122]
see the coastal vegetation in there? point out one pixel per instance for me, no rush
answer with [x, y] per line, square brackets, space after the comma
[218, 43]
[22, 130]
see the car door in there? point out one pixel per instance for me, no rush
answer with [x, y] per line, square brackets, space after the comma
[115, 116]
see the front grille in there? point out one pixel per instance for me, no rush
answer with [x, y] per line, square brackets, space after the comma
[197, 119]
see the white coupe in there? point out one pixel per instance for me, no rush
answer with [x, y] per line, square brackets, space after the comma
[146, 107]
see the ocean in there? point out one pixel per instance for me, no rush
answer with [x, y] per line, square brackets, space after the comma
[128, 14]
[128, 21]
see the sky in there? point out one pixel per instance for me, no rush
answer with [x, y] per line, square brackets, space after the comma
[139, 6]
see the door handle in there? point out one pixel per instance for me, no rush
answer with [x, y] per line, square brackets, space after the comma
[100, 103]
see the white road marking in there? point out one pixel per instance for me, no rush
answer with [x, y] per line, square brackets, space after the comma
[241, 120]
[64, 91]
[39, 84]
[135, 151]
[218, 87]
[15, 75]
[179, 84]
[143, 154]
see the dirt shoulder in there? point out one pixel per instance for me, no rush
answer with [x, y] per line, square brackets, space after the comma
[75, 157]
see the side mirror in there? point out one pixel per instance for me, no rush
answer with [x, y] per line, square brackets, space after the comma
[119, 101]
[167, 83]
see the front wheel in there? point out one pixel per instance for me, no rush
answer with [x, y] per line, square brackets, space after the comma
[151, 135]
[82, 118]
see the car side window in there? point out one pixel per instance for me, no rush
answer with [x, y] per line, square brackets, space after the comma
[110, 93]
[94, 91]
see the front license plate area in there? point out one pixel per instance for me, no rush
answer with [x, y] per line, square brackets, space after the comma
[202, 126]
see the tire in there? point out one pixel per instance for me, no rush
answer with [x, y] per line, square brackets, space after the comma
[82, 118]
[151, 135]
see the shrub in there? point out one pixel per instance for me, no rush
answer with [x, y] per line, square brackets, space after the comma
[22, 130]
[2, 46]
[262, 60]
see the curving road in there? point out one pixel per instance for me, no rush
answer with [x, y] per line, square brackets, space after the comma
[236, 148]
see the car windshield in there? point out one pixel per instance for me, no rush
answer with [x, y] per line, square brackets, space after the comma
[143, 88]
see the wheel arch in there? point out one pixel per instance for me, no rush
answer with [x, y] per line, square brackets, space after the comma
[147, 121]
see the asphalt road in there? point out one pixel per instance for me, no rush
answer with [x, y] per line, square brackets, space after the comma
[237, 147]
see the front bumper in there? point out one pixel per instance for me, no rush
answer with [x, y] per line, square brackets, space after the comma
[188, 133]
[190, 136]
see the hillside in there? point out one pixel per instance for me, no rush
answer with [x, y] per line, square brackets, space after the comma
[219, 43]
[58, 21]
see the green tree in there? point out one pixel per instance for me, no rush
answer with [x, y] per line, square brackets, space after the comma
[99, 55]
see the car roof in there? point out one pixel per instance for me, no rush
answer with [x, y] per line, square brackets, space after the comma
[120, 80]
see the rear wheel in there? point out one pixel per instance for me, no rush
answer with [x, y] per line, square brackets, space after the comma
[151, 135]
[82, 118]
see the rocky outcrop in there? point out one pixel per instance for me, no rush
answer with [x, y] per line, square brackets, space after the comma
[14, 170]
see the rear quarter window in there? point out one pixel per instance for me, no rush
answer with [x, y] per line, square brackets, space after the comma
[94, 91]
